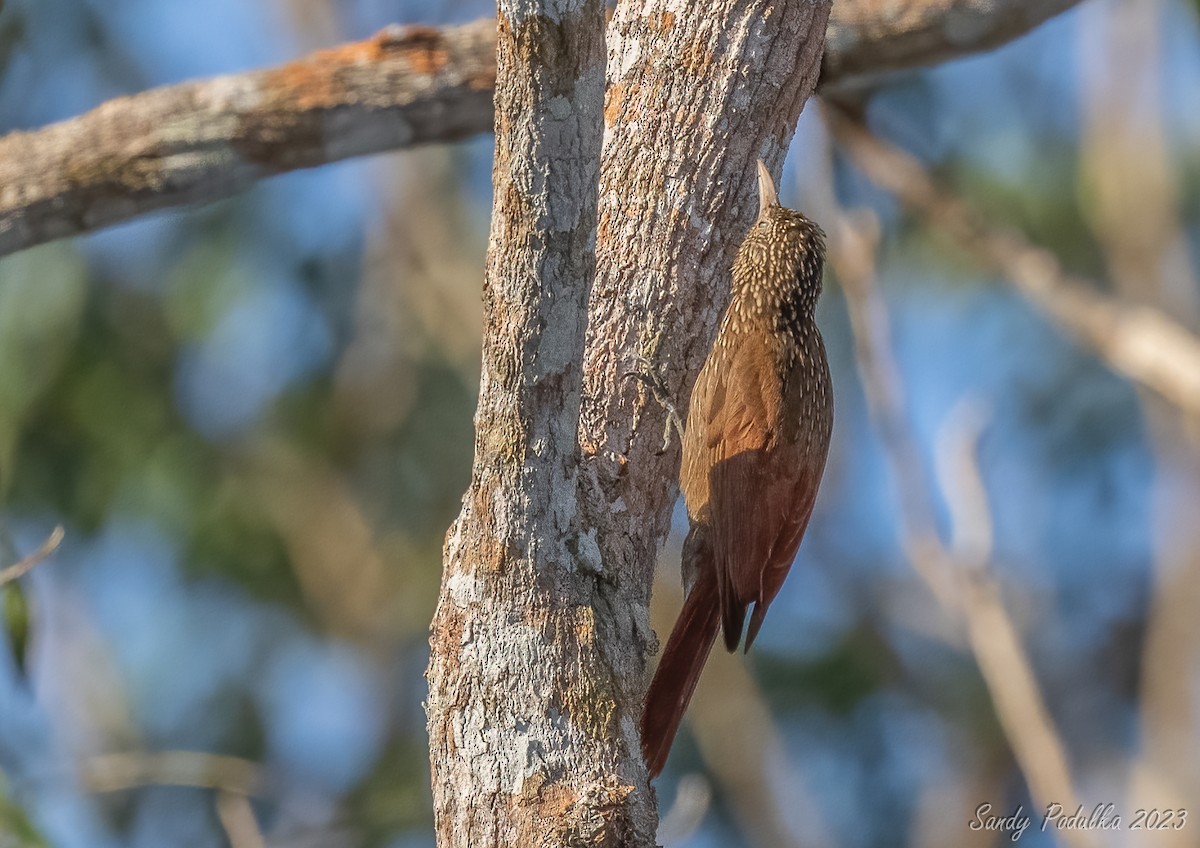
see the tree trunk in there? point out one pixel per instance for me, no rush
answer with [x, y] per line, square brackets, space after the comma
[541, 636]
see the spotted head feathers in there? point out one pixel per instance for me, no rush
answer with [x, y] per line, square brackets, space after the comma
[777, 273]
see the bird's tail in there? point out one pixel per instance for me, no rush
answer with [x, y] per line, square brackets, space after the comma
[679, 669]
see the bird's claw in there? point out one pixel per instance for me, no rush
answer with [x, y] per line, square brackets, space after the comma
[649, 375]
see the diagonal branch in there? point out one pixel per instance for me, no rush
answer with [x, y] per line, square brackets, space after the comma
[867, 38]
[120, 771]
[204, 141]
[1139, 342]
[19, 569]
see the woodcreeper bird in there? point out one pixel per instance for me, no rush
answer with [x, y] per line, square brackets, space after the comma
[754, 449]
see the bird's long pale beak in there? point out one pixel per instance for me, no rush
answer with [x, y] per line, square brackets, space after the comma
[766, 190]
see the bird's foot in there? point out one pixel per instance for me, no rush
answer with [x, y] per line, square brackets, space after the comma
[648, 374]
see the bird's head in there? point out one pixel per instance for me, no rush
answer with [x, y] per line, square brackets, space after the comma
[785, 249]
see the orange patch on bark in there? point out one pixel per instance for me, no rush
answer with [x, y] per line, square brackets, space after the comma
[697, 59]
[585, 627]
[424, 47]
[305, 84]
[313, 82]
[488, 553]
[604, 228]
[615, 104]
[555, 801]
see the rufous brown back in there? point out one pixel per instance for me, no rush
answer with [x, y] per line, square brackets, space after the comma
[754, 449]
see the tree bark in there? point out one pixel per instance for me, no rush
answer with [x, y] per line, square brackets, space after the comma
[868, 38]
[204, 141]
[530, 737]
[540, 640]
[692, 103]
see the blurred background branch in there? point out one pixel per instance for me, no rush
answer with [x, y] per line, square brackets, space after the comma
[958, 577]
[1134, 210]
[1135, 340]
[28, 563]
[203, 141]
[237, 817]
[119, 772]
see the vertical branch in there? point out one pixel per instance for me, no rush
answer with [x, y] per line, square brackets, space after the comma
[525, 739]
[693, 99]
[695, 94]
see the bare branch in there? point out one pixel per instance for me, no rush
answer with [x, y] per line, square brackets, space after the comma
[204, 141]
[1002, 660]
[1126, 163]
[530, 689]
[868, 38]
[20, 569]
[1139, 342]
[958, 474]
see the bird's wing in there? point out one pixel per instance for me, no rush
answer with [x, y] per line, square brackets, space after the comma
[779, 562]
[750, 491]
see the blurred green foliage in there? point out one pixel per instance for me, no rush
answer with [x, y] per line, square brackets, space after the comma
[16, 831]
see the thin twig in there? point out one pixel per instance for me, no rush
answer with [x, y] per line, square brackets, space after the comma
[693, 797]
[20, 569]
[960, 479]
[997, 647]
